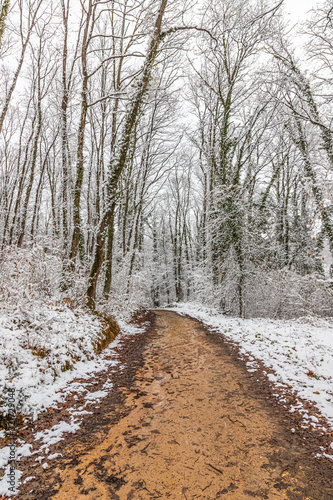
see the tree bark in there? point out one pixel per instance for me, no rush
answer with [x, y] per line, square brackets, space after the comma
[3, 15]
[81, 133]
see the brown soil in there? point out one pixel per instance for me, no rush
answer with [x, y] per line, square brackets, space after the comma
[185, 420]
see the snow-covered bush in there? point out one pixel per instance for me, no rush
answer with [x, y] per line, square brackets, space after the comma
[35, 275]
[28, 275]
[266, 293]
[284, 295]
[128, 294]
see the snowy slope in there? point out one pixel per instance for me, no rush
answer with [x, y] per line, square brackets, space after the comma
[40, 355]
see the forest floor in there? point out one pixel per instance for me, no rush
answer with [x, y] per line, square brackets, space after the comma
[185, 419]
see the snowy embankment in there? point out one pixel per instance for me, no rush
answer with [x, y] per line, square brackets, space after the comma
[47, 337]
[300, 352]
[41, 352]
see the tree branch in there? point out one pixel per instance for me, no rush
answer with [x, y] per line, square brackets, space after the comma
[183, 28]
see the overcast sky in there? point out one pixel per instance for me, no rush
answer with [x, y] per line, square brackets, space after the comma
[299, 8]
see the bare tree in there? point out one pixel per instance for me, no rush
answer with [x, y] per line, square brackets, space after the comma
[25, 33]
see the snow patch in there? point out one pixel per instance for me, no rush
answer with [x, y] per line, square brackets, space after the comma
[54, 435]
[96, 396]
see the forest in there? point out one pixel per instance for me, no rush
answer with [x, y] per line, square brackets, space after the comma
[166, 249]
[162, 151]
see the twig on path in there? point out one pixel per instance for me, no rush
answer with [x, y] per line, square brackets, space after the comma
[237, 421]
[234, 421]
[144, 449]
[217, 470]
[207, 486]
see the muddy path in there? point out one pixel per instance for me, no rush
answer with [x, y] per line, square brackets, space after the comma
[187, 422]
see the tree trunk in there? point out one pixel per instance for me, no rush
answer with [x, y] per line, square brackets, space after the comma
[64, 132]
[34, 156]
[3, 15]
[81, 133]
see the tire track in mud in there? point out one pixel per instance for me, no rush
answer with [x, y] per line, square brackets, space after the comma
[193, 425]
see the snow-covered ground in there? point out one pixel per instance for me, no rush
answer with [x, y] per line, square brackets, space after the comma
[300, 352]
[40, 354]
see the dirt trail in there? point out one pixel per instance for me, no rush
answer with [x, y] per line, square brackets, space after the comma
[197, 427]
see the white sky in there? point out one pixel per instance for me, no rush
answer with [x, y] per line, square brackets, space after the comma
[298, 8]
